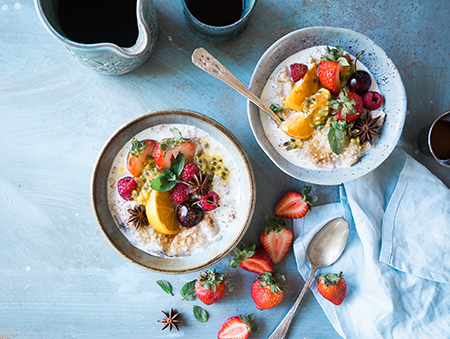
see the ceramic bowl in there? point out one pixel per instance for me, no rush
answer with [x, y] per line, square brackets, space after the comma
[218, 33]
[236, 228]
[382, 68]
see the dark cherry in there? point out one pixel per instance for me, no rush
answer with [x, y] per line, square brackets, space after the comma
[189, 215]
[359, 82]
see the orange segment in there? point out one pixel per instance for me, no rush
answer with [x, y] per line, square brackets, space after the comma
[303, 89]
[161, 214]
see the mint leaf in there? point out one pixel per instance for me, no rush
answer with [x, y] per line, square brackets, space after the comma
[165, 285]
[200, 314]
[177, 165]
[336, 138]
[161, 184]
[169, 175]
[188, 291]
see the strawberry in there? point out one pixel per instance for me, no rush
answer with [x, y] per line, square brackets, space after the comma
[126, 186]
[138, 155]
[295, 204]
[238, 327]
[330, 69]
[210, 287]
[276, 239]
[332, 287]
[167, 150]
[267, 291]
[179, 193]
[251, 259]
[348, 107]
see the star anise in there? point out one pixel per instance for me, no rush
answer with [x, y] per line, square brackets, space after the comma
[199, 184]
[137, 216]
[170, 320]
[367, 128]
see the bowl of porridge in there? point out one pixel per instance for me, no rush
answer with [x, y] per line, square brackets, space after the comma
[173, 191]
[328, 135]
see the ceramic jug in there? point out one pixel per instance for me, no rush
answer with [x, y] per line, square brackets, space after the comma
[106, 57]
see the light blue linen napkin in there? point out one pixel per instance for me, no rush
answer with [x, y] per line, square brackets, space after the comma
[397, 260]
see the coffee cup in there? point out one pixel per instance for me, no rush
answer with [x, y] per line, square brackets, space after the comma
[434, 140]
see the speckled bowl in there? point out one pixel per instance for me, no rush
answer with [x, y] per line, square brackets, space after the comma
[236, 229]
[382, 68]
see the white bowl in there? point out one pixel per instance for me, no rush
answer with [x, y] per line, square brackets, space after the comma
[386, 76]
[178, 265]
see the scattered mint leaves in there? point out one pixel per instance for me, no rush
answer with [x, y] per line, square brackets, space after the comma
[336, 136]
[165, 285]
[200, 314]
[169, 178]
[188, 291]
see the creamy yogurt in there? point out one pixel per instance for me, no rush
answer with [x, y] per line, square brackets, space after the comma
[191, 240]
[314, 152]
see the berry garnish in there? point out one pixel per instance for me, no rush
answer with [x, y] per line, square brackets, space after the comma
[126, 186]
[295, 204]
[179, 193]
[359, 82]
[298, 71]
[188, 172]
[348, 106]
[209, 201]
[189, 215]
[167, 149]
[138, 155]
[372, 100]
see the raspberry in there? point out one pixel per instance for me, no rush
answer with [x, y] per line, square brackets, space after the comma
[209, 201]
[188, 172]
[372, 100]
[126, 186]
[298, 71]
[179, 193]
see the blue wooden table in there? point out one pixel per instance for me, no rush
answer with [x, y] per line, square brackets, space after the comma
[59, 276]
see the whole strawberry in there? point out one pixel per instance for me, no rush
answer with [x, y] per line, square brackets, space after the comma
[348, 107]
[330, 69]
[332, 287]
[267, 291]
[251, 259]
[210, 287]
[276, 239]
[238, 327]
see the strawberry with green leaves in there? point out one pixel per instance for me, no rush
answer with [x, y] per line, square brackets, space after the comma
[331, 68]
[251, 259]
[168, 149]
[276, 239]
[138, 155]
[332, 287]
[237, 327]
[348, 107]
[267, 291]
[210, 287]
[295, 204]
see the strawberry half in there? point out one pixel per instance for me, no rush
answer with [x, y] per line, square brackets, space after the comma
[167, 150]
[251, 259]
[330, 69]
[332, 287]
[138, 155]
[295, 204]
[276, 239]
[237, 327]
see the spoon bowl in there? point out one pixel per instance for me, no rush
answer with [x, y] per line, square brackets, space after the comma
[324, 249]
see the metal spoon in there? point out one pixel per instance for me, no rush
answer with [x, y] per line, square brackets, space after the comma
[205, 61]
[323, 250]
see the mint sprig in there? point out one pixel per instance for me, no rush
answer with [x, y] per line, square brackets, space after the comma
[169, 178]
[336, 136]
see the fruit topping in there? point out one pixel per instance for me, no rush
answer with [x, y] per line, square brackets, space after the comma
[138, 155]
[332, 287]
[188, 214]
[367, 128]
[267, 291]
[276, 239]
[189, 171]
[209, 201]
[295, 204]
[125, 187]
[303, 89]
[331, 67]
[372, 100]
[359, 82]
[167, 149]
[298, 71]
[137, 216]
[251, 259]
[237, 327]
[161, 214]
[169, 177]
[210, 287]
[179, 193]
[348, 106]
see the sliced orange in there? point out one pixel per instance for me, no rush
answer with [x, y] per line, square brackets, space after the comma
[303, 89]
[161, 214]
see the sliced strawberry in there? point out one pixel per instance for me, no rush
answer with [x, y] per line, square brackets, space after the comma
[295, 204]
[167, 150]
[138, 155]
[329, 73]
[251, 259]
[237, 327]
[276, 239]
